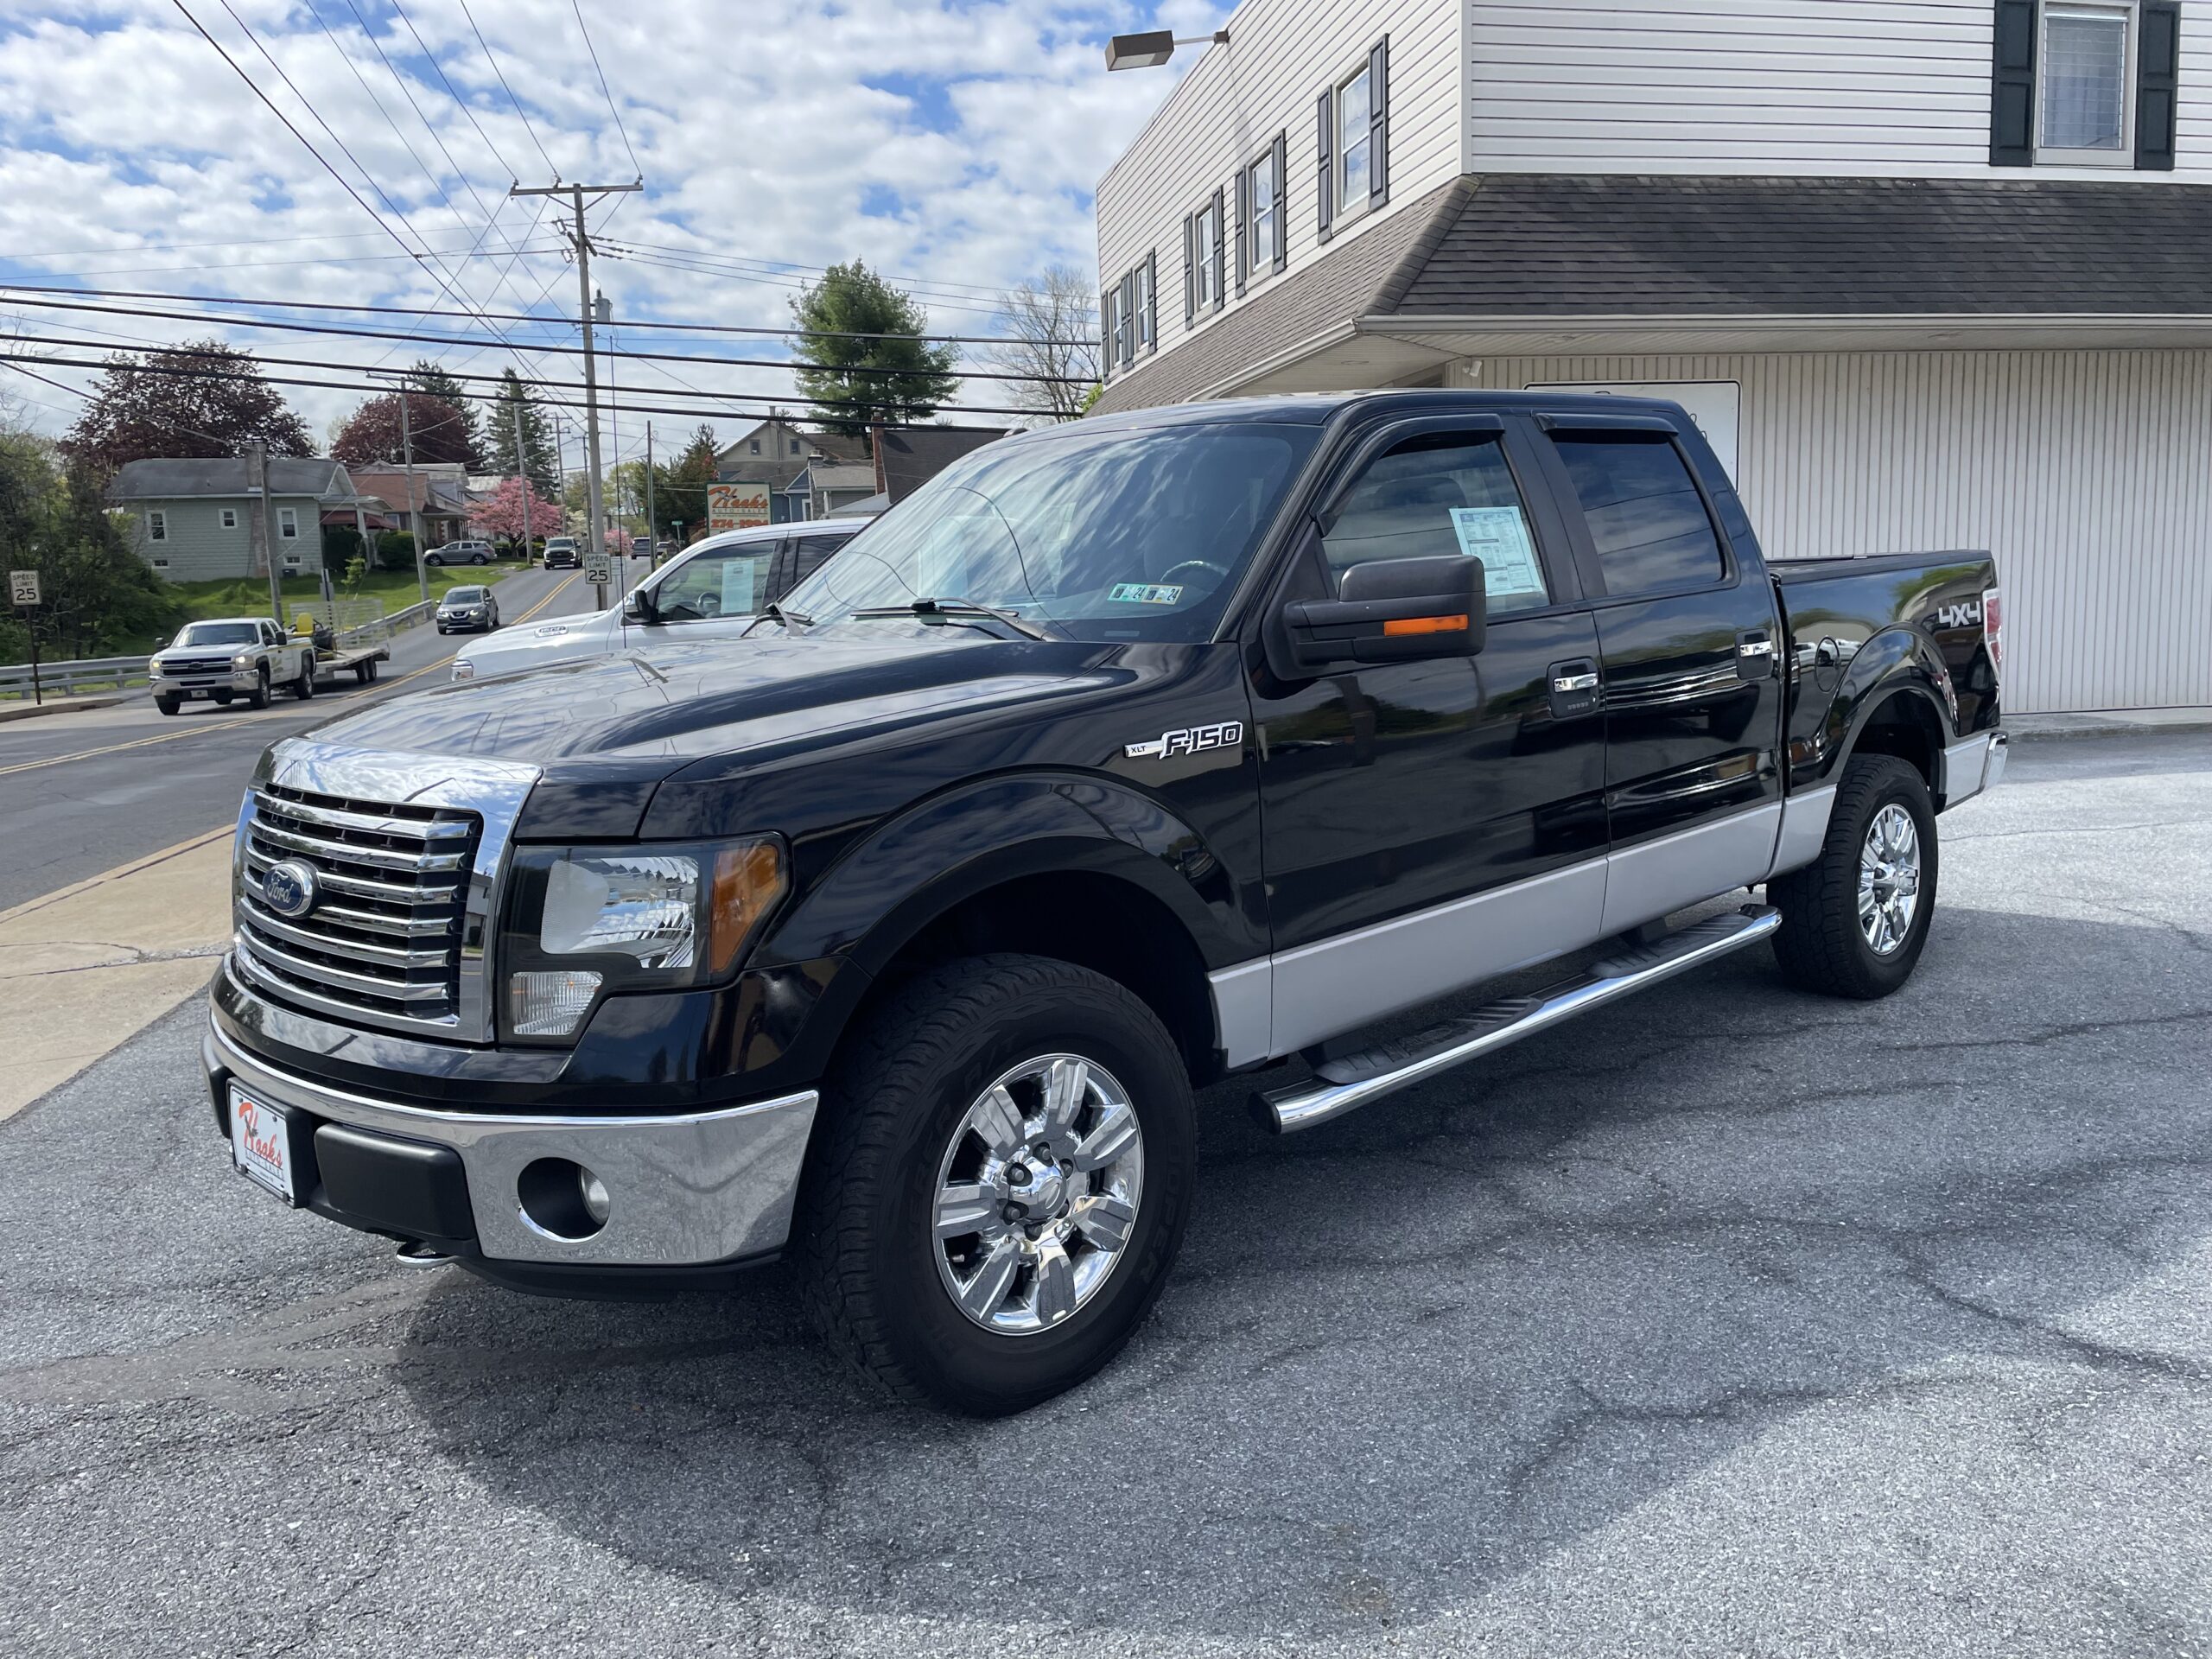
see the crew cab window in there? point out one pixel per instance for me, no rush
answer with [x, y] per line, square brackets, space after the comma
[730, 582]
[811, 550]
[1436, 495]
[1647, 520]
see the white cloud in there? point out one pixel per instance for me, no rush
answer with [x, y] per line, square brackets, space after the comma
[756, 127]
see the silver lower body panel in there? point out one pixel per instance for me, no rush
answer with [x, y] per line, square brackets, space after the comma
[683, 1191]
[1975, 766]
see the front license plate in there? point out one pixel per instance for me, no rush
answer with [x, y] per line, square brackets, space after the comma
[261, 1143]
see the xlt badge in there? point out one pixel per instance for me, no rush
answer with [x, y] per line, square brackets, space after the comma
[1189, 740]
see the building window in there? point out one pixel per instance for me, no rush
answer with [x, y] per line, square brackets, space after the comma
[1260, 197]
[1144, 279]
[288, 522]
[157, 526]
[1354, 109]
[161, 564]
[794, 446]
[1202, 260]
[756, 445]
[1353, 141]
[230, 518]
[2087, 71]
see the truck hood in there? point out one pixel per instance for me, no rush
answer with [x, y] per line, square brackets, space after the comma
[648, 713]
[532, 645]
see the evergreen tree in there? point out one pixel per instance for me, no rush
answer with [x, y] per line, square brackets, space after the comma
[539, 461]
[867, 359]
[427, 377]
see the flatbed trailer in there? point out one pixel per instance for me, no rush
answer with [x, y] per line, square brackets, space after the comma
[360, 661]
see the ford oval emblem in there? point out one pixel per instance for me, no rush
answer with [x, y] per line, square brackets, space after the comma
[288, 889]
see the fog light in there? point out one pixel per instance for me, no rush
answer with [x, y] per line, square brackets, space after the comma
[596, 1203]
[550, 1004]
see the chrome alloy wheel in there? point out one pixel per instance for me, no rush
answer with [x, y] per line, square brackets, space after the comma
[1037, 1195]
[1888, 880]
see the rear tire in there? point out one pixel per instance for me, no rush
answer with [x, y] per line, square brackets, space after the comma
[898, 1137]
[1849, 927]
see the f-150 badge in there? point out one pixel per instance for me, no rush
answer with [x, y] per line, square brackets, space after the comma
[1190, 739]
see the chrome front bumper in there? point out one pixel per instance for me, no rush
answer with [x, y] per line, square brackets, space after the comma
[683, 1191]
[246, 680]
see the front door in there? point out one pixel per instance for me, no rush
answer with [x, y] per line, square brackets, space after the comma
[1430, 825]
[716, 594]
[1688, 643]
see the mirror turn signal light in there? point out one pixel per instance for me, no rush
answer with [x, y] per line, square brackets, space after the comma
[1427, 624]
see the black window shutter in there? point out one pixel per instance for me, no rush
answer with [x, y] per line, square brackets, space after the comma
[1152, 300]
[1127, 319]
[1106, 328]
[1220, 249]
[1245, 252]
[1282, 200]
[2157, 82]
[1190, 273]
[1325, 193]
[2013, 86]
[1378, 122]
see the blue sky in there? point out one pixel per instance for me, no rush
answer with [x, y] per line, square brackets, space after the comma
[952, 143]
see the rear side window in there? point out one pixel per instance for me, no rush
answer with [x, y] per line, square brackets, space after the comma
[1441, 494]
[1652, 532]
[810, 550]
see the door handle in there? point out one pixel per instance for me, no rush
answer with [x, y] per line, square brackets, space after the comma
[1575, 689]
[1755, 654]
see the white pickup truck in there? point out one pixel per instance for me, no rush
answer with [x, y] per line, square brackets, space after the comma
[717, 588]
[228, 657]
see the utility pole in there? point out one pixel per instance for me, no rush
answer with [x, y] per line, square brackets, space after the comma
[414, 519]
[257, 525]
[652, 531]
[522, 471]
[575, 193]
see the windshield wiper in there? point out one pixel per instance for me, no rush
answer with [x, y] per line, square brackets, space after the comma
[952, 610]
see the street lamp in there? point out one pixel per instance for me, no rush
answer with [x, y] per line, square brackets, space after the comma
[1154, 48]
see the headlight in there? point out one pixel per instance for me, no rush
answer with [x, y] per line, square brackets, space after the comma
[243, 659]
[584, 920]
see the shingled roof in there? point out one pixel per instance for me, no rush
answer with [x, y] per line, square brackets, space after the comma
[181, 478]
[1514, 247]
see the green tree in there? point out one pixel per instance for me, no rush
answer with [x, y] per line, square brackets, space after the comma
[538, 460]
[867, 359]
[681, 499]
[427, 378]
[97, 597]
[202, 399]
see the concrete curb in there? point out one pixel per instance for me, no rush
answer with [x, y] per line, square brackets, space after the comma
[2035, 729]
[54, 706]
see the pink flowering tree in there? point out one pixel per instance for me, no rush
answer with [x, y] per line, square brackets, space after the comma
[501, 516]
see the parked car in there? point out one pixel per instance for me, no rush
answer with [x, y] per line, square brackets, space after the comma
[467, 610]
[562, 553]
[714, 590]
[1121, 756]
[228, 657]
[461, 553]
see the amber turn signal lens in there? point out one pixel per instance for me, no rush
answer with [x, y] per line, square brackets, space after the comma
[748, 879]
[1427, 625]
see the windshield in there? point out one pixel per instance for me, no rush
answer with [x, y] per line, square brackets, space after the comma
[463, 595]
[1100, 536]
[220, 634]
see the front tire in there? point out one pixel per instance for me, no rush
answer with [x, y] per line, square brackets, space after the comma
[303, 687]
[1854, 921]
[169, 705]
[1001, 1184]
[258, 697]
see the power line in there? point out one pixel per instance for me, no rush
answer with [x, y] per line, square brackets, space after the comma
[465, 108]
[914, 284]
[512, 99]
[858, 408]
[203, 268]
[326, 331]
[510, 316]
[795, 284]
[603, 89]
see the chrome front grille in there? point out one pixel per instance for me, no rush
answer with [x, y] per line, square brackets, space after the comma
[384, 936]
[405, 853]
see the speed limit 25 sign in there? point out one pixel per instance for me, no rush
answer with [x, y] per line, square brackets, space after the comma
[23, 587]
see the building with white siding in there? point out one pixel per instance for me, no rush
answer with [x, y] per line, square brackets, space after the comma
[1930, 274]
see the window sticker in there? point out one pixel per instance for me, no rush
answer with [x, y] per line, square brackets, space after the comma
[738, 577]
[1138, 593]
[1499, 537]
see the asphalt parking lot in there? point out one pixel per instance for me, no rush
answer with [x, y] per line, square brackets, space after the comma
[1728, 1320]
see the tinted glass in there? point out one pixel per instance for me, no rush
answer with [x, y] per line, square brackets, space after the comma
[463, 595]
[731, 583]
[220, 634]
[1441, 494]
[1652, 532]
[1099, 535]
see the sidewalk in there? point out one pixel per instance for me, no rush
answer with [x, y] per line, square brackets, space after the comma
[29, 710]
[84, 969]
[2106, 722]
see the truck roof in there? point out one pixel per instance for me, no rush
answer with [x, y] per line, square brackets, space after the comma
[1317, 408]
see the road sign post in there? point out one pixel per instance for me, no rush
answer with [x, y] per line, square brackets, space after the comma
[24, 594]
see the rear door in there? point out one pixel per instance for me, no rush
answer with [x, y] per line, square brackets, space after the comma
[1688, 645]
[1432, 823]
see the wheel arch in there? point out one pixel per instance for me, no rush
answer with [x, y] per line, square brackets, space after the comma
[1895, 698]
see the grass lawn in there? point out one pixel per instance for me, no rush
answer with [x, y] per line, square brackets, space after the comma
[248, 595]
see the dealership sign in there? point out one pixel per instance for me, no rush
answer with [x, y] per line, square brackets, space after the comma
[734, 507]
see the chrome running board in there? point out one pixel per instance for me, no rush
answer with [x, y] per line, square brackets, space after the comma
[1342, 1085]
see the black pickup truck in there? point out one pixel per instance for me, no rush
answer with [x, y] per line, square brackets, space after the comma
[1125, 756]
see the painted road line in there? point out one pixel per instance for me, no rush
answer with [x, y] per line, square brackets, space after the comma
[199, 729]
[85, 968]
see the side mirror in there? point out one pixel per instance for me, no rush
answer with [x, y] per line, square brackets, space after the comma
[1393, 611]
[638, 606]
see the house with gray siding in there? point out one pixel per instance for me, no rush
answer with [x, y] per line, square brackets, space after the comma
[1928, 274]
[190, 517]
